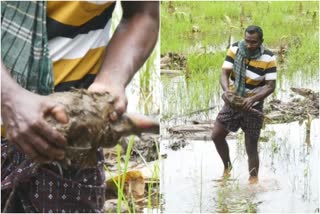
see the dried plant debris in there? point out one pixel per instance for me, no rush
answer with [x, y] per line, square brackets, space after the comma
[297, 109]
[173, 61]
[275, 111]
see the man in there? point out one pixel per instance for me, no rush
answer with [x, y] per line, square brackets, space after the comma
[82, 57]
[252, 70]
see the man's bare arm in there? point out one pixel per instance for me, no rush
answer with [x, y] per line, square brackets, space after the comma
[224, 79]
[263, 93]
[224, 82]
[129, 47]
[23, 113]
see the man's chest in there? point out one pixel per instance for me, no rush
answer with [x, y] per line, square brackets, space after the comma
[257, 67]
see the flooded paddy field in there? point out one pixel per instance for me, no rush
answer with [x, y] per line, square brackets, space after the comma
[288, 177]
[192, 55]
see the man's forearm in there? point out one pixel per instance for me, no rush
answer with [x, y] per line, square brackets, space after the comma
[265, 91]
[224, 79]
[8, 85]
[131, 44]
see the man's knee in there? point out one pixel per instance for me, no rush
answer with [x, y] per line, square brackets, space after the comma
[216, 136]
[218, 133]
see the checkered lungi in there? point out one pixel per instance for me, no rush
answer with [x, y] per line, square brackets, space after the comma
[250, 122]
[43, 189]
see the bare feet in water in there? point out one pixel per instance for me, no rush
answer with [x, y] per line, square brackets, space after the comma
[253, 179]
[226, 173]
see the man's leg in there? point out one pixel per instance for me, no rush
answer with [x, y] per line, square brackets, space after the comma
[251, 143]
[219, 138]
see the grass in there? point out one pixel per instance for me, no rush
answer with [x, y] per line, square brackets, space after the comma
[155, 177]
[148, 87]
[221, 23]
[196, 90]
[119, 181]
[215, 27]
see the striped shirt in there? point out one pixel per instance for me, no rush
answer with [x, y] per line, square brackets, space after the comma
[78, 32]
[257, 71]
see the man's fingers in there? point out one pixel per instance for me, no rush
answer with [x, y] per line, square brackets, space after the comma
[23, 142]
[54, 110]
[118, 93]
[46, 130]
[39, 147]
[46, 149]
[244, 106]
[247, 106]
[120, 107]
[114, 116]
[51, 134]
[225, 99]
[60, 115]
[28, 149]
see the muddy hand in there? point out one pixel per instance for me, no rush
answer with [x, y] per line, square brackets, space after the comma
[24, 120]
[120, 99]
[225, 97]
[131, 123]
[247, 104]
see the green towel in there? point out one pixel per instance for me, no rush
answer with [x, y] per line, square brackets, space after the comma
[239, 66]
[24, 45]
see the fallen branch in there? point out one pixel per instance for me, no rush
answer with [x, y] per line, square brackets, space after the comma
[171, 72]
[193, 112]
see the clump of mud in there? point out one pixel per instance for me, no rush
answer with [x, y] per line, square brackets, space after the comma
[236, 102]
[89, 126]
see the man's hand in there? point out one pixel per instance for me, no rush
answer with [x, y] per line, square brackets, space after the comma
[225, 97]
[23, 115]
[129, 47]
[247, 103]
[261, 94]
[118, 92]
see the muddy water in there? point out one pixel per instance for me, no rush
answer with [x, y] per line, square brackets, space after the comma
[289, 176]
[289, 179]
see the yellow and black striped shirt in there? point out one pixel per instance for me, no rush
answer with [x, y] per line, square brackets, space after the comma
[78, 32]
[257, 71]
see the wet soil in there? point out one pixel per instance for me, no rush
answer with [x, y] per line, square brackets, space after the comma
[89, 126]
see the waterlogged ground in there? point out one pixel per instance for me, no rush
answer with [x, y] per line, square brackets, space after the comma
[192, 55]
[289, 176]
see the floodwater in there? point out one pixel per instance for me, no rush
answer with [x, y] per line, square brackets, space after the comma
[288, 176]
[289, 167]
